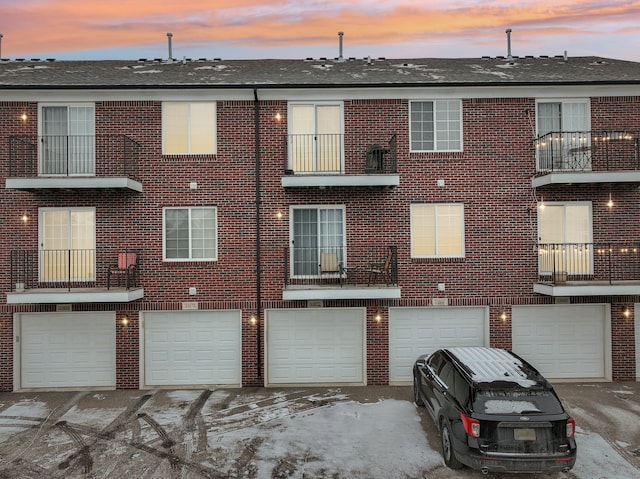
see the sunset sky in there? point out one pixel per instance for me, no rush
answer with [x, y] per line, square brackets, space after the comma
[237, 29]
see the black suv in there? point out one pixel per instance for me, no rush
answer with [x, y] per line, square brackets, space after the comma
[494, 411]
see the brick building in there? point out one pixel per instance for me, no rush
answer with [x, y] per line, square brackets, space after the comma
[319, 221]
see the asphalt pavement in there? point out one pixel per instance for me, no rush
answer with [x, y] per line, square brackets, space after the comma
[222, 433]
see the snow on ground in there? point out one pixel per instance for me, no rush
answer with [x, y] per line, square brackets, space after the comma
[294, 435]
[597, 459]
[22, 415]
[374, 440]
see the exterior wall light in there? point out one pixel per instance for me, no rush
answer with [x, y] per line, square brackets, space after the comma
[253, 320]
[610, 203]
[124, 321]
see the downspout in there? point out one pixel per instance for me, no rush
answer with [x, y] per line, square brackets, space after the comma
[256, 119]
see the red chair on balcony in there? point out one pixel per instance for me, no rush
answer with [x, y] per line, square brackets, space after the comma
[126, 269]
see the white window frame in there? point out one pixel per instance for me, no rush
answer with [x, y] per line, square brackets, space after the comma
[563, 101]
[462, 228]
[557, 263]
[87, 148]
[190, 258]
[318, 247]
[89, 267]
[435, 125]
[214, 128]
[566, 140]
[291, 127]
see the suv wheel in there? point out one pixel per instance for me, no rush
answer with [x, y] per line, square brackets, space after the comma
[448, 452]
[416, 393]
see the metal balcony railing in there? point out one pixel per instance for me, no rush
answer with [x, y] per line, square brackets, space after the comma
[330, 266]
[312, 153]
[608, 262]
[73, 268]
[588, 151]
[324, 154]
[31, 156]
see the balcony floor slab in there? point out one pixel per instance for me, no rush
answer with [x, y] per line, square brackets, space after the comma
[589, 288]
[75, 295]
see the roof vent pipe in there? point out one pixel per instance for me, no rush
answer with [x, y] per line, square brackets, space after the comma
[169, 35]
[509, 56]
[340, 57]
[0, 46]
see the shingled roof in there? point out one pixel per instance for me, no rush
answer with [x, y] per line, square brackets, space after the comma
[319, 73]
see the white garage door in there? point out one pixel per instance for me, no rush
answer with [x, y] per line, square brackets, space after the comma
[416, 331]
[192, 348]
[562, 341]
[315, 346]
[59, 350]
[637, 331]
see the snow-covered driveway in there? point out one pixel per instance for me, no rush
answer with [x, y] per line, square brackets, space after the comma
[259, 433]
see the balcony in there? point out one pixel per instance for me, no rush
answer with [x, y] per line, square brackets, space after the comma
[103, 275]
[324, 273]
[72, 162]
[587, 157]
[318, 161]
[588, 269]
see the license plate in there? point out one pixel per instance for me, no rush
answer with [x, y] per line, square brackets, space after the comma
[527, 434]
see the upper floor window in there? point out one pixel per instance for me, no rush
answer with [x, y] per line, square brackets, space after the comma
[190, 234]
[67, 244]
[564, 136]
[565, 237]
[67, 145]
[316, 231]
[315, 137]
[436, 125]
[189, 128]
[562, 116]
[437, 230]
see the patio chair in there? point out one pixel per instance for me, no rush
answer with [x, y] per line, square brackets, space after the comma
[381, 269]
[329, 264]
[126, 270]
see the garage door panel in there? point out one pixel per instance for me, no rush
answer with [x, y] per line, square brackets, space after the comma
[192, 348]
[416, 331]
[561, 341]
[67, 350]
[637, 334]
[319, 346]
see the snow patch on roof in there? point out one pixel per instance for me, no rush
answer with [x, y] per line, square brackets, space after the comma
[212, 67]
[483, 70]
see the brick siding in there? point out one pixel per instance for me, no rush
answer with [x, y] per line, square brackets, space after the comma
[491, 177]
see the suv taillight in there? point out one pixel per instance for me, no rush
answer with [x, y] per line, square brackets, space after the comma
[472, 426]
[571, 427]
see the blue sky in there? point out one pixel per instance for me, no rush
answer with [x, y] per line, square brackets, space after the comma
[237, 29]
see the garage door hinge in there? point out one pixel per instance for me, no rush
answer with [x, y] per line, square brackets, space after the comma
[17, 339]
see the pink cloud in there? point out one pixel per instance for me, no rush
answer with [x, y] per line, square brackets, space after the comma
[75, 25]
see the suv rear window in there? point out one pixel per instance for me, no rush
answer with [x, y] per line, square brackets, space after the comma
[517, 401]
